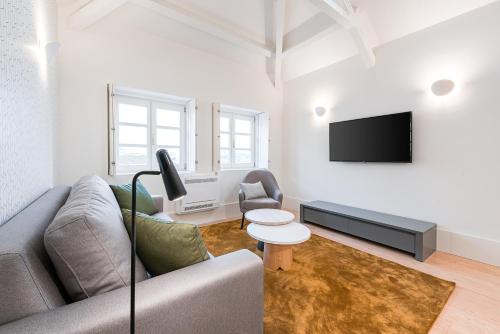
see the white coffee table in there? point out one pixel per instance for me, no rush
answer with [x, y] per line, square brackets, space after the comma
[269, 217]
[278, 241]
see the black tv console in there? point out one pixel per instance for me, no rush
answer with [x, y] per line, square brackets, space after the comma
[410, 235]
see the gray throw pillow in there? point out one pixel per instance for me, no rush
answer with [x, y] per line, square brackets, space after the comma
[88, 243]
[253, 190]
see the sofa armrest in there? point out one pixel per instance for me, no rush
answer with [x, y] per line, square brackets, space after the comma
[222, 295]
[158, 199]
[278, 195]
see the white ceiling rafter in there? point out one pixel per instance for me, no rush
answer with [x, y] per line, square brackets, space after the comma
[312, 30]
[92, 12]
[335, 11]
[199, 19]
[279, 32]
[176, 10]
[349, 19]
[333, 15]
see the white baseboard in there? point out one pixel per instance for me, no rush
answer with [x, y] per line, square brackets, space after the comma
[470, 247]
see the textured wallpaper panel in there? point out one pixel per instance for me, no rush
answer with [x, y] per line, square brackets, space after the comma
[27, 102]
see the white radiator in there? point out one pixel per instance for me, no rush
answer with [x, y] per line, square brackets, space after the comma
[202, 193]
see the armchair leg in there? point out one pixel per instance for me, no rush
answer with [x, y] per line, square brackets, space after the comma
[242, 221]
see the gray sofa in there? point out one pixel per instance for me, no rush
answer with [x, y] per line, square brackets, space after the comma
[220, 295]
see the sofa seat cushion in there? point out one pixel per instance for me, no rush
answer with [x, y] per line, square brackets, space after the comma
[260, 203]
[88, 244]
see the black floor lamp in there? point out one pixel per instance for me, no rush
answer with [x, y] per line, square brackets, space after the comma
[175, 191]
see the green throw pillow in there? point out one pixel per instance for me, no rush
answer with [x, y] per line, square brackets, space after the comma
[145, 203]
[166, 246]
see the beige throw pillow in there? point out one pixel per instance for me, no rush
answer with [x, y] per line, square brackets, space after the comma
[253, 190]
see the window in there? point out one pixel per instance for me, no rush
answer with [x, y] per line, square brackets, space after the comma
[237, 134]
[142, 123]
[241, 138]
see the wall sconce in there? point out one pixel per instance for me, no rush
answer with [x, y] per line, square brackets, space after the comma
[442, 87]
[319, 111]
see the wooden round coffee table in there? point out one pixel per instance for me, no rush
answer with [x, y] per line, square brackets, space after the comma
[278, 241]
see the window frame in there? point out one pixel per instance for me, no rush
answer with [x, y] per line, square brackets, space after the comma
[152, 101]
[182, 166]
[234, 114]
[130, 169]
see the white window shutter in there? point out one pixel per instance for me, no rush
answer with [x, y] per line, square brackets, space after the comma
[262, 142]
[216, 137]
[192, 135]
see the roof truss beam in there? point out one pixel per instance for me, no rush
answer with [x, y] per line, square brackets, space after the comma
[310, 31]
[200, 20]
[335, 11]
[279, 32]
[347, 17]
[92, 12]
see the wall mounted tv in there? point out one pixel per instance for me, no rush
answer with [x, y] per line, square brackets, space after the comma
[384, 138]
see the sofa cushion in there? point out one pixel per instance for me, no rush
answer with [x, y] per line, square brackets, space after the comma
[260, 203]
[88, 243]
[253, 190]
[144, 201]
[165, 246]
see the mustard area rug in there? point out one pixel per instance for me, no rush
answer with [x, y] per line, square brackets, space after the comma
[333, 288]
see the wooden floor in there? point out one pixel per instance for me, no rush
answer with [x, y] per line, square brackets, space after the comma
[473, 308]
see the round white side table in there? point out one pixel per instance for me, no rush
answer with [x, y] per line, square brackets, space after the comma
[269, 217]
[278, 241]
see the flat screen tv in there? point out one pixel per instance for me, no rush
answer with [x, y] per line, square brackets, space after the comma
[375, 139]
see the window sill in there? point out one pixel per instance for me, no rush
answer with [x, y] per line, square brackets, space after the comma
[180, 172]
[238, 169]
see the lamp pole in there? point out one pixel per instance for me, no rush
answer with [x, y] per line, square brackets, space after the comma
[132, 254]
[175, 191]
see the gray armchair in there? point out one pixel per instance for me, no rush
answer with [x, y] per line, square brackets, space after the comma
[274, 195]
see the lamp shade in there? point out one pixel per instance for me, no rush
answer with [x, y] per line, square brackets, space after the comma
[173, 184]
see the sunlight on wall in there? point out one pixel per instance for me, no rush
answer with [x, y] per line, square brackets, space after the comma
[42, 39]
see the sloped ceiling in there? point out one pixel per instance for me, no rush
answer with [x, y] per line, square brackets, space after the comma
[386, 20]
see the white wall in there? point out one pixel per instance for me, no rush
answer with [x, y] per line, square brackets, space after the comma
[454, 180]
[27, 103]
[114, 51]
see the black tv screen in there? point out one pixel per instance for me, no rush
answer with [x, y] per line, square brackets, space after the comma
[375, 139]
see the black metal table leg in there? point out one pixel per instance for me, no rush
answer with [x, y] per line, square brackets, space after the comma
[260, 246]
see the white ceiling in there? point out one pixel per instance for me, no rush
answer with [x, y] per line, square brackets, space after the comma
[384, 20]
